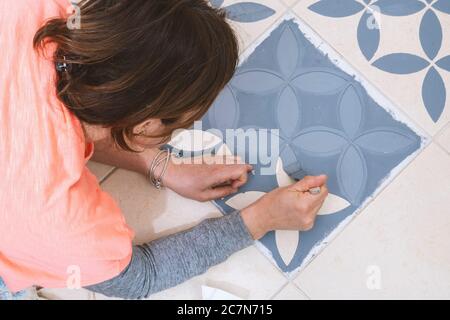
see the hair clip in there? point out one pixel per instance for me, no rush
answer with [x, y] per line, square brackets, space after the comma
[63, 66]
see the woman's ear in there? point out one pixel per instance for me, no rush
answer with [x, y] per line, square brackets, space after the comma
[150, 127]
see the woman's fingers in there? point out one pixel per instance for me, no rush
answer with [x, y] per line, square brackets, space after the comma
[235, 175]
[310, 182]
[219, 192]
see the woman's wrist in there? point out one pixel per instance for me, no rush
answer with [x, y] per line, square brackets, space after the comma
[256, 223]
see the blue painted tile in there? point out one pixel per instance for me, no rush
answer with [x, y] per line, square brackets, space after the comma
[430, 34]
[327, 123]
[245, 11]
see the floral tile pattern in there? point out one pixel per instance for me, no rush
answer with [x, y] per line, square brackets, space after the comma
[245, 11]
[250, 18]
[327, 123]
[434, 93]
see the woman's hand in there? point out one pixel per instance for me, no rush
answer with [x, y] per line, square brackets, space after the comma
[204, 182]
[289, 208]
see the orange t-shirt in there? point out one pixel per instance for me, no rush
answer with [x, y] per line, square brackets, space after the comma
[56, 225]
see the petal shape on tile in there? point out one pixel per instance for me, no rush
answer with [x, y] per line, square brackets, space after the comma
[287, 52]
[352, 174]
[194, 140]
[434, 94]
[350, 111]
[257, 81]
[287, 244]
[248, 12]
[336, 9]
[430, 34]
[333, 204]
[243, 200]
[319, 82]
[224, 150]
[216, 3]
[385, 141]
[368, 34]
[442, 5]
[320, 141]
[399, 7]
[444, 63]
[401, 63]
[224, 114]
[283, 178]
[288, 111]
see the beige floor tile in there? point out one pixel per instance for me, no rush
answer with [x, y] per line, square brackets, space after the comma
[398, 34]
[246, 274]
[65, 294]
[289, 3]
[99, 170]
[290, 292]
[399, 247]
[444, 138]
[152, 213]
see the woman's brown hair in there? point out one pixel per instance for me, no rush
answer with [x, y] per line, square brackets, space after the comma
[134, 60]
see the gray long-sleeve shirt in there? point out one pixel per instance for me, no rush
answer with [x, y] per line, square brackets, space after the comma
[169, 261]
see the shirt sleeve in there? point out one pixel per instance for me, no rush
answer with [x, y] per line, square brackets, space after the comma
[169, 261]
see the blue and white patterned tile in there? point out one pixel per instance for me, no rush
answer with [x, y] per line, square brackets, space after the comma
[399, 248]
[290, 3]
[399, 45]
[250, 18]
[330, 120]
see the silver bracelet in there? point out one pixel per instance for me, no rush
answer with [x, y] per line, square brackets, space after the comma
[162, 156]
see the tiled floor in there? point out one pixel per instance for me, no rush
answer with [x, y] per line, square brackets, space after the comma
[398, 246]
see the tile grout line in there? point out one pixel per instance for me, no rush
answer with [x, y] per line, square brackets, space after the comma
[292, 5]
[439, 134]
[301, 290]
[270, 26]
[108, 175]
[361, 212]
[398, 109]
[427, 138]
[279, 290]
[441, 147]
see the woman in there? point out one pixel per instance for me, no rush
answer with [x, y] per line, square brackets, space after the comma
[113, 89]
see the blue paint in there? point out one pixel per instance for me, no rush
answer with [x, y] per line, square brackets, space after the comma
[430, 34]
[399, 7]
[401, 63]
[248, 12]
[434, 94]
[337, 8]
[328, 124]
[216, 3]
[442, 5]
[245, 11]
[444, 63]
[368, 35]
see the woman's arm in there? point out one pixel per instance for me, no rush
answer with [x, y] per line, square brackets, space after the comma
[169, 261]
[166, 262]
